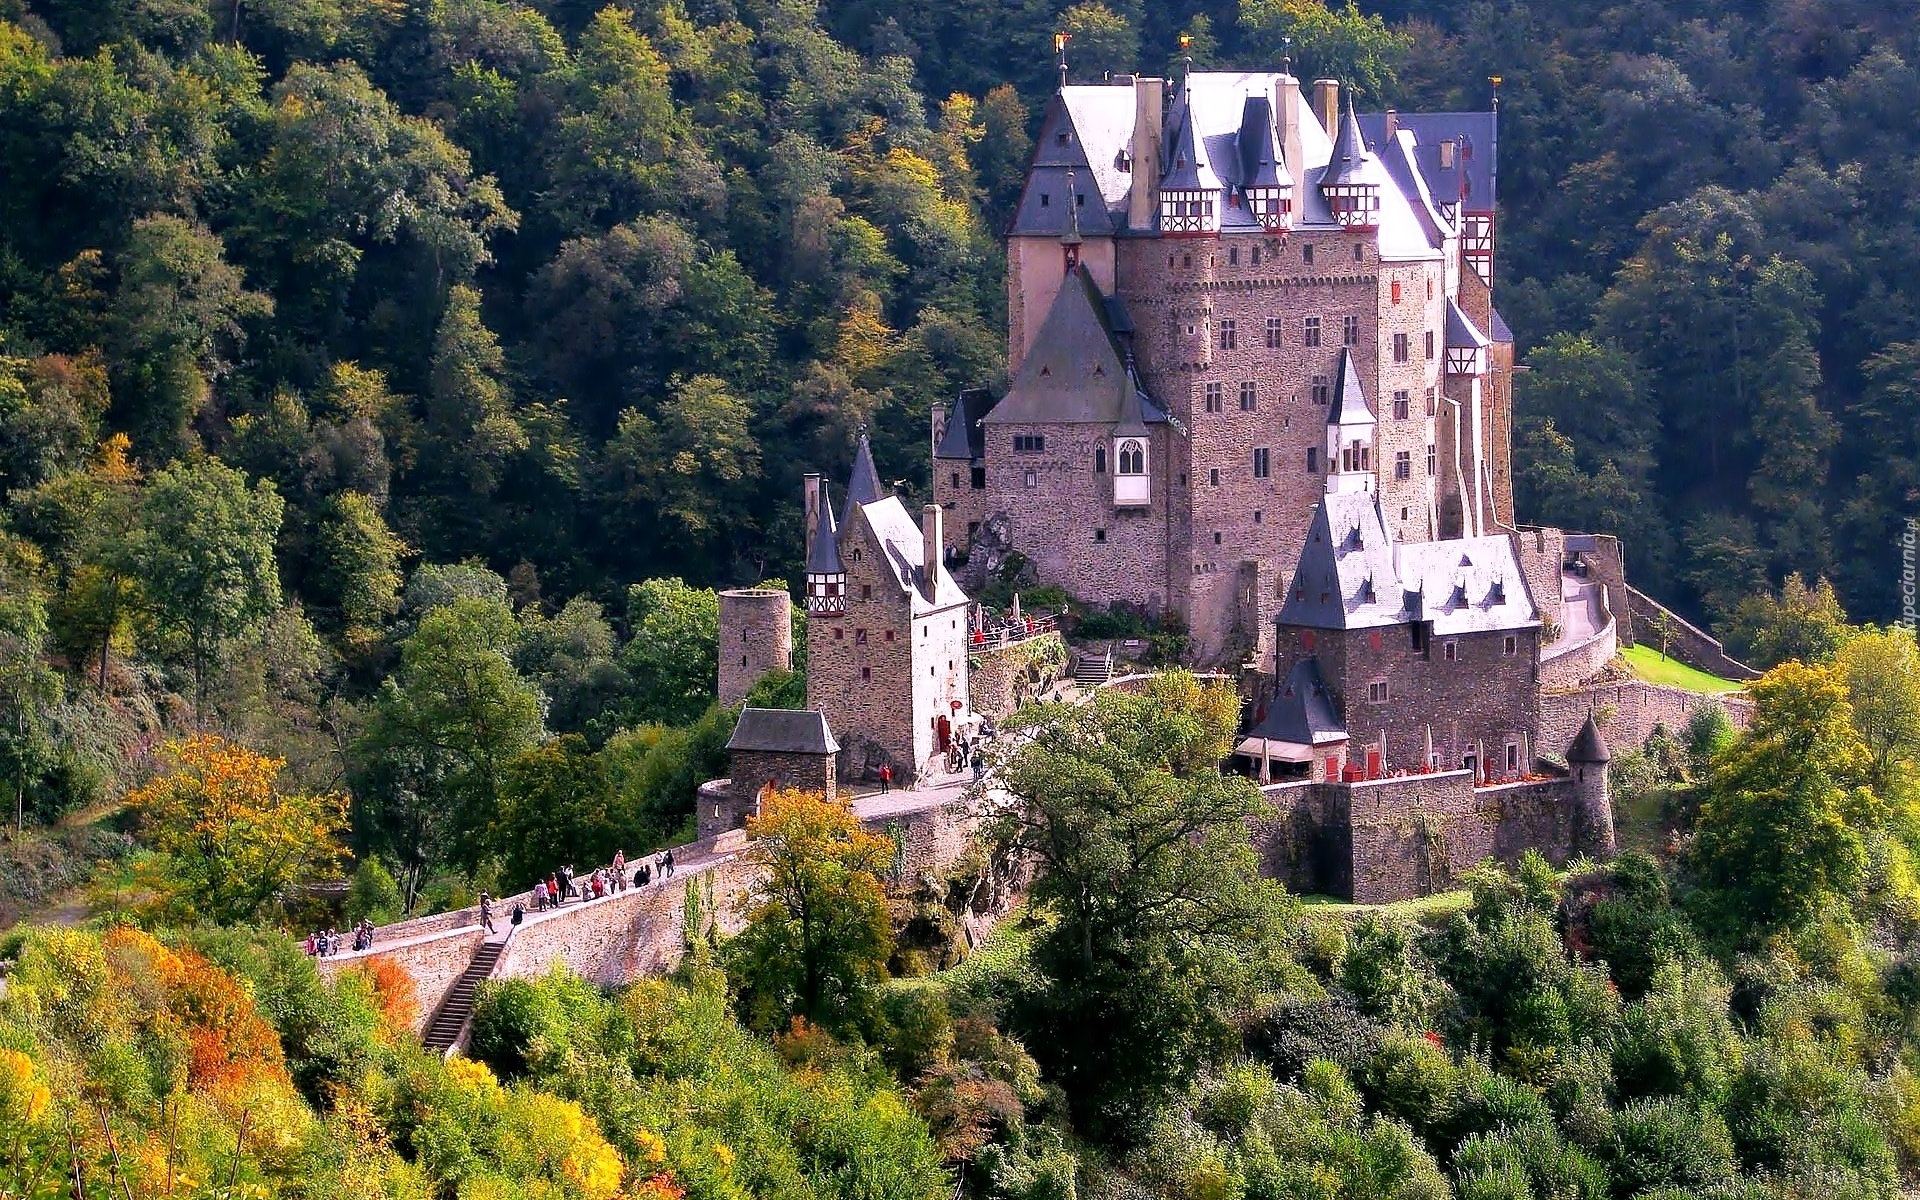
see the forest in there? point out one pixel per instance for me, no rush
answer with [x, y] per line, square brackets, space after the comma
[386, 386]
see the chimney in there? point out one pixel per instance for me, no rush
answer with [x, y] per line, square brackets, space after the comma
[1286, 106]
[1326, 103]
[1143, 179]
[811, 498]
[1393, 123]
[932, 535]
[940, 424]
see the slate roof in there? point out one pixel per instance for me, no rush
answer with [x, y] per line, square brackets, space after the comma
[1349, 405]
[863, 484]
[823, 550]
[901, 543]
[1262, 160]
[1502, 335]
[1588, 746]
[783, 731]
[1472, 180]
[1075, 373]
[1302, 710]
[1461, 331]
[1353, 575]
[1189, 166]
[1347, 161]
[964, 438]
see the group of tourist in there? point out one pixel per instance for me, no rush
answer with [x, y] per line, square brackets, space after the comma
[562, 885]
[327, 942]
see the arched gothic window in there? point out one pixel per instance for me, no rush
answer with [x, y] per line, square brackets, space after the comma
[1133, 458]
[1099, 460]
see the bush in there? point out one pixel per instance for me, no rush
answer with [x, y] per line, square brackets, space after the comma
[372, 894]
[918, 1033]
[1295, 1032]
[1666, 1142]
[518, 1024]
[1524, 1162]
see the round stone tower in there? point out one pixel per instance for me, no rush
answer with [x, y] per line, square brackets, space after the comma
[756, 636]
[1587, 759]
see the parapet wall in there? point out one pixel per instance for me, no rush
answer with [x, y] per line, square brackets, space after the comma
[1413, 835]
[1575, 664]
[1627, 712]
[1685, 641]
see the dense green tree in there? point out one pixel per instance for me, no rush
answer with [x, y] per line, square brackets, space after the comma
[1883, 686]
[358, 567]
[1801, 623]
[438, 739]
[1162, 917]
[572, 657]
[556, 806]
[29, 688]
[203, 555]
[674, 654]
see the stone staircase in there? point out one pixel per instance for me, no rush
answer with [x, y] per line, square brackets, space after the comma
[1092, 670]
[444, 1031]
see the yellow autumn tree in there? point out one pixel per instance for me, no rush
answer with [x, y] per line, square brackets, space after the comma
[817, 935]
[226, 839]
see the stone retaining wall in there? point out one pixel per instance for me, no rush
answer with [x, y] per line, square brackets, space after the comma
[433, 961]
[1686, 642]
[1000, 680]
[1627, 712]
[1572, 665]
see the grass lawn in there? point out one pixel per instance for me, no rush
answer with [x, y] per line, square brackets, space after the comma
[1648, 665]
[1423, 910]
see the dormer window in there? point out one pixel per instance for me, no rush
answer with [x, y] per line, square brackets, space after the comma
[1131, 486]
[1271, 206]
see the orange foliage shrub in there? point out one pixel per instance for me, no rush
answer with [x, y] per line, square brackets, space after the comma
[393, 988]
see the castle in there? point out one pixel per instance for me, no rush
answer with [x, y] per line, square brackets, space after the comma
[1196, 270]
[1257, 386]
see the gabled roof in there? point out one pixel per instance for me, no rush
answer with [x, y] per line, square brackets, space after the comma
[901, 544]
[1471, 179]
[783, 731]
[863, 484]
[1353, 575]
[1588, 746]
[1302, 712]
[823, 544]
[1349, 405]
[1074, 374]
[1461, 331]
[1502, 335]
[1262, 161]
[963, 437]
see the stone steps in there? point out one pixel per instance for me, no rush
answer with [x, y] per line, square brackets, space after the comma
[1093, 670]
[445, 1028]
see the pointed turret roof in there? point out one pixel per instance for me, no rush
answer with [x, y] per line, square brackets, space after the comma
[1075, 373]
[1349, 153]
[1588, 746]
[823, 544]
[863, 485]
[1188, 169]
[1349, 405]
[1302, 713]
[1262, 161]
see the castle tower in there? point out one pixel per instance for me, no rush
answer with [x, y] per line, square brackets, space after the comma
[756, 637]
[1587, 758]
[1350, 429]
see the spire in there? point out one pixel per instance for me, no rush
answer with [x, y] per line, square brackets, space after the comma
[1349, 151]
[1060, 41]
[1588, 746]
[1349, 405]
[823, 542]
[1072, 235]
[863, 485]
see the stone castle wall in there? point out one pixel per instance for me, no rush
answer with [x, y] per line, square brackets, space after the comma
[1574, 664]
[1686, 642]
[1627, 712]
[1393, 839]
[756, 637]
[1001, 680]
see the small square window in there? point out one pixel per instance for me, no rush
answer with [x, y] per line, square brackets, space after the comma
[1359, 253]
[1233, 257]
[1306, 253]
[1260, 463]
[1099, 535]
[1213, 477]
[1249, 400]
[1313, 460]
[977, 478]
[1396, 291]
[1401, 352]
[1432, 460]
[1429, 337]
[839, 634]
[859, 637]
[1256, 516]
[1214, 403]
[889, 635]
[1229, 339]
[1403, 465]
[1273, 333]
[1377, 692]
[1450, 651]
[1046, 201]
[1033, 477]
[1216, 539]
[866, 674]
[1349, 331]
[866, 591]
[1432, 404]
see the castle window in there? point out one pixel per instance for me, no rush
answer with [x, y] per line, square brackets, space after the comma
[1216, 539]
[1099, 535]
[1403, 465]
[1029, 443]
[1256, 516]
[889, 635]
[1432, 405]
[1306, 635]
[1133, 458]
[856, 555]
[1233, 257]
[1513, 757]
[866, 674]
[1419, 632]
[1377, 692]
[1229, 340]
[1322, 390]
[1213, 477]
[859, 637]
[1373, 640]
[1046, 201]
[1349, 330]
[1080, 199]
[1310, 331]
[1260, 462]
[1429, 296]
[1432, 460]
[1510, 645]
[1359, 253]
[1396, 291]
[1402, 406]
[1450, 651]
[1404, 511]
[973, 530]
[1063, 137]
[1429, 336]
[955, 479]
[1256, 256]
[1306, 253]
[839, 634]
[1100, 460]
[1400, 348]
[1186, 260]
[1033, 477]
[1248, 401]
[1313, 460]
[978, 478]
[1273, 333]
[866, 591]
[1213, 398]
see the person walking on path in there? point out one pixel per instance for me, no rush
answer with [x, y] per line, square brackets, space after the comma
[643, 876]
[486, 912]
[553, 889]
[886, 779]
[620, 869]
[669, 873]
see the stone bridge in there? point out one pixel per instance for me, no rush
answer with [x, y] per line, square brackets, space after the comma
[634, 933]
